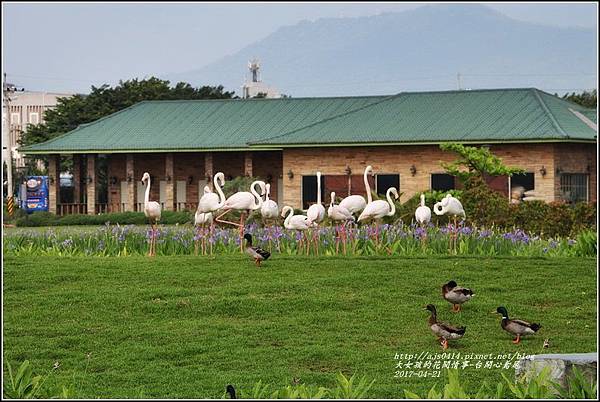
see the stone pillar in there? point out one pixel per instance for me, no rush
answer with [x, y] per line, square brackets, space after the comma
[77, 179]
[170, 178]
[91, 184]
[131, 180]
[208, 167]
[248, 164]
[53, 182]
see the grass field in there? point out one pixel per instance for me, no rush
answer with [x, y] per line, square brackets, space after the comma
[184, 327]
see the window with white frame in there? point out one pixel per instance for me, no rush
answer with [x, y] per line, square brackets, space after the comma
[34, 118]
[15, 118]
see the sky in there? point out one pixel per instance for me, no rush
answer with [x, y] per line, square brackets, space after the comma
[67, 47]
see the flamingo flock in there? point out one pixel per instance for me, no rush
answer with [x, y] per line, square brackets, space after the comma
[353, 209]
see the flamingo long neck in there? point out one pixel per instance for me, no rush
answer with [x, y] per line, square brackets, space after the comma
[218, 188]
[256, 195]
[319, 188]
[392, 204]
[286, 223]
[268, 187]
[367, 187]
[332, 199]
[422, 200]
[147, 193]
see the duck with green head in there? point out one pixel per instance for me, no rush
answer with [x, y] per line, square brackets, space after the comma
[516, 327]
[443, 331]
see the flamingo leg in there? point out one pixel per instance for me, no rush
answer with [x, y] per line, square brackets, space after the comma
[212, 229]
[218, 218]
[344, 237]
[316, 240]
[242, 231]
[150, 243]
[196, 240]
[455, 234]
[307, 243]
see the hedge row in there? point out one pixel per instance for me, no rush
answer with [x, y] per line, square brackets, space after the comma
[122, 218]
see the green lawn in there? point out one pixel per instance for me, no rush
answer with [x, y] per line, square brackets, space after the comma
[184, 327]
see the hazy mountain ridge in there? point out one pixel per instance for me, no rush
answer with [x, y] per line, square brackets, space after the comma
[388, 52]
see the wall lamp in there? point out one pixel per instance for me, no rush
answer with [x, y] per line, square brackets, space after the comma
[269, 178]
[413, 170]
[129, 179]
[113, 180]
[89, 179]
[190, 179]
[51, 179]
[348, 171]
[290, 174]
[168, 178]
[543, 171]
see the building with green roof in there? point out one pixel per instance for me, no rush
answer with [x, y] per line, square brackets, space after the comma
[285, 141]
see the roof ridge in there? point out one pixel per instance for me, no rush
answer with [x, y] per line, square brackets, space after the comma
[346, 113]
[565, 101]
[548, 112]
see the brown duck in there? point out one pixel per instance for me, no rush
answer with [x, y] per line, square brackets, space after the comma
[456, 295]
[443, 331]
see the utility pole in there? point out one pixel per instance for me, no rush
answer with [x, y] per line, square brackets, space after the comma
[7, 90]
[458, 82]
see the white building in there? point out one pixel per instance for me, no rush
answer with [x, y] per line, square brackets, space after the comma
[254, 85]
[26, 107]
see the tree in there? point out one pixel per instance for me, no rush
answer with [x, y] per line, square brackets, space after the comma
[70, 113]
[586, 98]
[473, 163]
[482, 204]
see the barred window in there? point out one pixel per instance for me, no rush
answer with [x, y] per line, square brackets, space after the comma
[574, 187]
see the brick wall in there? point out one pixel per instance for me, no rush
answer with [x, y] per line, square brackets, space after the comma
[426, 158]
[186, 166]
[268, 164]
[571, 158]
[575, 158]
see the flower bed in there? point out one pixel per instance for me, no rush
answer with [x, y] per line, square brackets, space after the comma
[393, 239]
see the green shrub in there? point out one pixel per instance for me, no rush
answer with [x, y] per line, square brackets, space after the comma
[122, 218]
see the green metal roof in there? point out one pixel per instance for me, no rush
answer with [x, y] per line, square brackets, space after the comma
[496, 115]
[198, 124]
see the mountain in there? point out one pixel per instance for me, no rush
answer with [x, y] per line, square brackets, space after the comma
[420, 49]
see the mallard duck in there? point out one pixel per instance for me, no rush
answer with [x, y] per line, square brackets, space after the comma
[456, 295]
[516, 327]
[257, 253]
[443, 331]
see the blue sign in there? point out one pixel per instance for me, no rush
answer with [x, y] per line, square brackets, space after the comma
[36, 194]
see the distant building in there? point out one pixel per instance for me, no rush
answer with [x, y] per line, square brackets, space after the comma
[254, 86]
[286, 141]
[26, 107]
